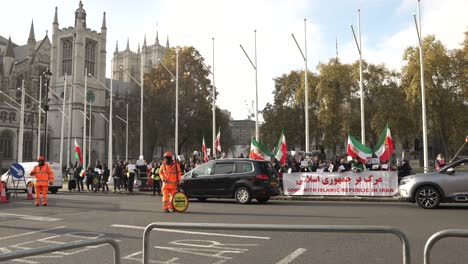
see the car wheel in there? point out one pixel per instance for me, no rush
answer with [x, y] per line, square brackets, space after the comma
[54, 190]
[201, 199]
[263, 199]
[243, 195]
[428, 197]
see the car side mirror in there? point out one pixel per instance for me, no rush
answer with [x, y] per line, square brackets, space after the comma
[450, 171]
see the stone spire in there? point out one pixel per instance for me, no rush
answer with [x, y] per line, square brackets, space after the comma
[56, 17]
[167, 42]
[9, 49]
[144, 42]
[104, 21]
[80, 16]
[138, 51]
[128, 45]
[157, 38]
[32, 38]
[116, 47]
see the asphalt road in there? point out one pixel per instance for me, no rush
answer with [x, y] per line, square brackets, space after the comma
[78, 216]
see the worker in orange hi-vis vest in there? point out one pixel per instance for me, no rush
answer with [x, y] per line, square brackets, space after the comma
[170, 174]
[43, 177]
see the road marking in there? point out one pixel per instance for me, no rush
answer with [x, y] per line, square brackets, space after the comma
[190, 232]
[32, 232]
[30, 217]
[289, 258]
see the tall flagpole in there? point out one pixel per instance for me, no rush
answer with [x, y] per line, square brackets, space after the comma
[21, 129]
[63, 121]
[214, 104]
[84, 119]
[39, 116]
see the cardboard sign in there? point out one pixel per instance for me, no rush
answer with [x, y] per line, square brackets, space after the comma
[180, 202]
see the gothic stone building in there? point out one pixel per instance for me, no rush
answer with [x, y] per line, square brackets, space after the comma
[17, 64]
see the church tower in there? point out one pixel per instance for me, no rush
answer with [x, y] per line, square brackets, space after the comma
[77, 51]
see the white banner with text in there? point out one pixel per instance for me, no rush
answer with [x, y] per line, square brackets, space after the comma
[366, 183]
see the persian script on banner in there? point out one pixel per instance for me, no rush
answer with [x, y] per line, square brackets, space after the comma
[368, 183]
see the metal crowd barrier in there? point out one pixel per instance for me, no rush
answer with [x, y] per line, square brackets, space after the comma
[438, 236]
[73, 245]
[286, 228]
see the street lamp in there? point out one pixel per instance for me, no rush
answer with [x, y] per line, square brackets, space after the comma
[423, 92]
[141, 106]
[176, 77]
[109, 150]
[306, 85]
[126, 133]
[39, 113]
[256, 83]
[359, 47]
[47, 74]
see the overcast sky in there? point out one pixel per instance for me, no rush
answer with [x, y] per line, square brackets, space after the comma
[387, 29]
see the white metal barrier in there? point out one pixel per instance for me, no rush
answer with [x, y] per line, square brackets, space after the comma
[72, 245]
[285, 228]
[438, 236]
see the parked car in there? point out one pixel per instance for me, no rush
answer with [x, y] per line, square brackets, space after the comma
[28, 166]
[241, 179]
[450, 184]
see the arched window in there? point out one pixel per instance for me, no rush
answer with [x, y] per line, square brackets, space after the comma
[90, 56]
[67, 56]
[4, 116]
[27, 146]
[6, 144]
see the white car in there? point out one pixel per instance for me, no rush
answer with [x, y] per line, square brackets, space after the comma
[28, 166]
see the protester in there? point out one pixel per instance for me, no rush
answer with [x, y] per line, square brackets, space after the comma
[356, 165]
[117, 174]
[440, 161]
[105, 178]
[78, 177]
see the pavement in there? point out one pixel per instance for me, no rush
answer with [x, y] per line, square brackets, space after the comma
[73, 216]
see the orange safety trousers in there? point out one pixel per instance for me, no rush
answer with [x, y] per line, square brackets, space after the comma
[168, 193]
[43, 190]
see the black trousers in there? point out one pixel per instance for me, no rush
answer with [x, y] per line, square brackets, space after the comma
[79, 183]
[156, 186]
[131, 179]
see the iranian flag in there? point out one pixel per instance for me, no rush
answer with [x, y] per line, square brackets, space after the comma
[384, 147]
[78, 155]
[281, 150]
[218, 141]
[258, 152]
[356, 149]
[82, 173]
[203, 148]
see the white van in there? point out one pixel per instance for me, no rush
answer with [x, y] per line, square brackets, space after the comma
[28, 166]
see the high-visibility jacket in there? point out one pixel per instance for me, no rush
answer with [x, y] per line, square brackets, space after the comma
[155, 174]
[170, 175]
[42, 174]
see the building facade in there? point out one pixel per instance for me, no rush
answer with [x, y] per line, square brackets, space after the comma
[128, 62]
[17, 64]
[78, 59]
[242, 132]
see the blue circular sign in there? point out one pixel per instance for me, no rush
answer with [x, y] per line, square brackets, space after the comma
[16, 170]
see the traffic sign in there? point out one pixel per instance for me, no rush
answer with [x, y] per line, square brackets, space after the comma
[180, 202]
[17, 170]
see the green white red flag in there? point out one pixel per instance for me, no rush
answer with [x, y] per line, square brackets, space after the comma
[281, 150]
[384, 147]
[258, 152]
[218, 141]
[356, 149]
[78, 155]
[205, 156]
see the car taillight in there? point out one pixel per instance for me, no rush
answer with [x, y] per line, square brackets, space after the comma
[262, 177]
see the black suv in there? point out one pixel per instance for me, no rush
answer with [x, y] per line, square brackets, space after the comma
[241, 179]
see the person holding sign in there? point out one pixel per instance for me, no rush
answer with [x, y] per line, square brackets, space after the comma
[170, 174]
[43, 177]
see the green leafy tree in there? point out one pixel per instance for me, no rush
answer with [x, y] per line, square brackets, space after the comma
[445, 107]
[195, 104]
